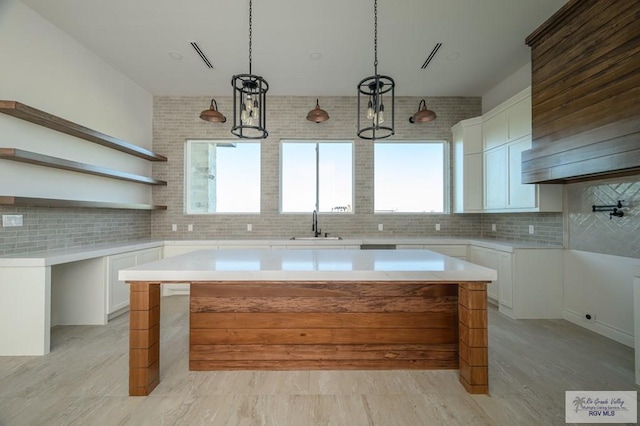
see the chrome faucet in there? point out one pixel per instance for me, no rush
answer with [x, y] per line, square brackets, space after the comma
[314, 225]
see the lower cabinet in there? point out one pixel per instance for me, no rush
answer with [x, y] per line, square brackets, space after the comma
[452, 250]
[488, 258]
[529, 284]
[118, 291]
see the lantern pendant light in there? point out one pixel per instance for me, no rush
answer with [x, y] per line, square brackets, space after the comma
[374, 122]
[249, 99]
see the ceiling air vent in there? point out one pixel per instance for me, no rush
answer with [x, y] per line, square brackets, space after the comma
[199, 51]
[431, 55]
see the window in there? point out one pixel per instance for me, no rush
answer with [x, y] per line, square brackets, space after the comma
[222, 177]
[409, 177]
[317, 176]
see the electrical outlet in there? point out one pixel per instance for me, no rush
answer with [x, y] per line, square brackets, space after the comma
[174, 227]
[493, 227]
[249, 227]
[380, 227]
[437, 226]
[531, 230]
[9, 220]
[190, 227]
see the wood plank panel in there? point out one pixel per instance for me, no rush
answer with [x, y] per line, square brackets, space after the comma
[144, 338]
[445, 351]
[323, 304]
[325, 365]
[314, 336]
[585, 82]
[321, 289]
[323, 320]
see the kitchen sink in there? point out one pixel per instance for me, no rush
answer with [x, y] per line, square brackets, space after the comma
[315, 238]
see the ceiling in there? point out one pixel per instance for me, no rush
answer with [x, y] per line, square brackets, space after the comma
[305, 47]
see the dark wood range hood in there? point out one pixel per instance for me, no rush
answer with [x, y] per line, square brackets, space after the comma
[585, 93]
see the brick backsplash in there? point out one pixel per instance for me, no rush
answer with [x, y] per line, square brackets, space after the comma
[548, 227]
[58, 228]
[176, 119]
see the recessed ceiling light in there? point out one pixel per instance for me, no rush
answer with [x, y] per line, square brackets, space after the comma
[453, 57]
[175, 55]
[315, 56]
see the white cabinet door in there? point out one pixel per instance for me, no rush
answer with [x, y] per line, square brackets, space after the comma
[505, 278]
[150, 255]
[467, 166]
[519, 119]
[473, 183]
[521, 196]
[494, 131]
[118, 290]
[488, 258]
[495, 179]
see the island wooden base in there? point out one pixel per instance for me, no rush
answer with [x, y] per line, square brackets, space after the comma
[320, 325]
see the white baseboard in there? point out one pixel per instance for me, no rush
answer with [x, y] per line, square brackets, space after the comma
[175, 289]
[600, 328]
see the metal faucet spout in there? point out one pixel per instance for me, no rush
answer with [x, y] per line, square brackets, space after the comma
[314, 224]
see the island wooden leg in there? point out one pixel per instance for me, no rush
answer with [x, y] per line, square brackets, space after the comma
[144, 338]
[473, 337]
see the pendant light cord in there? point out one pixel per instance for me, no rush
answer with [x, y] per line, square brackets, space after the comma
[250, 32]
[375, 36]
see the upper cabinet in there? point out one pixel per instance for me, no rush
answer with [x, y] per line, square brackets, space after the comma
[467, 166]
[488, 175]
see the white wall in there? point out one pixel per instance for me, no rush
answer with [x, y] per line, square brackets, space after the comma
[601, 285]
[510, 86]
[44, 68]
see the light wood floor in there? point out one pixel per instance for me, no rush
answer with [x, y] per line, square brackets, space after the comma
[83, 381]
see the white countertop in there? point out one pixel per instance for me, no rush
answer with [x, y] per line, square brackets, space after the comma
[309, 265]
[56, 257]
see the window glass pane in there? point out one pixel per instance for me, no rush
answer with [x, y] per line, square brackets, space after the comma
[298, 177]
[317, 176]
[409, 177]
[335, 177]
[222, 177]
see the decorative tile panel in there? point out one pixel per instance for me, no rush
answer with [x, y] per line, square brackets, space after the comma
[597, 231]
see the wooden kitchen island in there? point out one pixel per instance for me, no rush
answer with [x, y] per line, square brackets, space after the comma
[316, 309]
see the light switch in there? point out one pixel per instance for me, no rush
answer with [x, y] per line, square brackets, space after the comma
[174, 227]
[531, 230]
[190, 227]
[249, 227]
[380, 227]
[437, 226]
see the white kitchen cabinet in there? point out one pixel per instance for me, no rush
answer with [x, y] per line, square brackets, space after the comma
[507, 133]
[495, 129]
[519, 117]
[495, 179]
[520, 196]
[488, 258]
[530, 281]
[118, 291]
[458, 251]
[467, 166]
